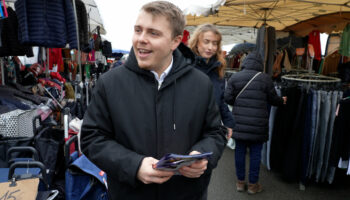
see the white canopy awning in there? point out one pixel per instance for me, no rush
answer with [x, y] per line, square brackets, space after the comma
[94, 16]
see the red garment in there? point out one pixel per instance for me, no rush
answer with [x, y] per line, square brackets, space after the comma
[55, 57]
[186, 37]
[47, 82]
[314, 39]
[236, 61]
[56, 75]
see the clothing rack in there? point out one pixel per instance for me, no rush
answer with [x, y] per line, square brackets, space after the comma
[310, 78]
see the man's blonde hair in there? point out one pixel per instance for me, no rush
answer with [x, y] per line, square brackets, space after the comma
[173, 14]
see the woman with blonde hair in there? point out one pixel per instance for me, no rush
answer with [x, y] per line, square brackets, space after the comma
[206, 44]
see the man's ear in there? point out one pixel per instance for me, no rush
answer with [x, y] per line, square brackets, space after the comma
[176, 41]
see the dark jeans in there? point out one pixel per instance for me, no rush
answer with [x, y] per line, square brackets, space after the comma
[255, 159]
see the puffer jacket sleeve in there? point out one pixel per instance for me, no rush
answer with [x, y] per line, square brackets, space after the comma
[226, 115]
[272, 97]
[71, 30]
[99, 145]
[229, 94]
[214, 136]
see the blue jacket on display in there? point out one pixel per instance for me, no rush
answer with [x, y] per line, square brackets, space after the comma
[46, 23]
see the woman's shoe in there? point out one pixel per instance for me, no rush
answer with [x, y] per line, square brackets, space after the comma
[254, 188]
[240, 185]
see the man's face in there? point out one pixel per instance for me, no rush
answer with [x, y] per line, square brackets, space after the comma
[153, 42]
[207, 44]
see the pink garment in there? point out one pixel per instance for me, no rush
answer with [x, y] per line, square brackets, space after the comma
[44, 112]
[5, 9]
[91, 56]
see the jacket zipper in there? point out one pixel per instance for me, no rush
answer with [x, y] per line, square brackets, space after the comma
[156, 114]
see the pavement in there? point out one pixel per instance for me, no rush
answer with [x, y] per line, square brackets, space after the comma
[222, 185]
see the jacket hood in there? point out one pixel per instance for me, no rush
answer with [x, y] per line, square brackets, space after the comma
[183, 59]
[253, 62]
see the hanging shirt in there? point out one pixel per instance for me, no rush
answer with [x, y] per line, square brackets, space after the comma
[344, 48]
[286, 62]
[161, 78]
[331, 63]
[314, 39]
[55, 58]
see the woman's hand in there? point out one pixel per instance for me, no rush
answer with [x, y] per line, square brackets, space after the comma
[284, 100]
[229, 133]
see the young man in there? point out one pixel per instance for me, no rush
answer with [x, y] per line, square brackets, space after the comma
[156, 103]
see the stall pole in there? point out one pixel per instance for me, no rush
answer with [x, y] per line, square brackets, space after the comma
[47, 73]
[2, 71]
[77, 28]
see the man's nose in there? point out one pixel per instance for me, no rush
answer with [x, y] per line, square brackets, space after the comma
[143, 37]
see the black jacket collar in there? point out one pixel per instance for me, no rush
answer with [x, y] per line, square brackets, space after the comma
[205, 67]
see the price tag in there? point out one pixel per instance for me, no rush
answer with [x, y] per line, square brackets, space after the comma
[22, 190]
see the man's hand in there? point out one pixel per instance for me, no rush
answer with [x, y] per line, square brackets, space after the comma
[229, 133]
[147, 174]
[196, 169]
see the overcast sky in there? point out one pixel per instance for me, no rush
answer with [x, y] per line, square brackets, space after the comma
[119, 18]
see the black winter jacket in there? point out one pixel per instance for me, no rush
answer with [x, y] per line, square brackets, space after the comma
[83, 25]
[210, 69]
[10, 45]
[250, 109]
[129, 119]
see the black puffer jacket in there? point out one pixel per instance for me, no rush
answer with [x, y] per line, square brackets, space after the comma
[250, 109]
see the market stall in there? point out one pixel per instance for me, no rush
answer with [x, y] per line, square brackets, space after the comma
[51, 55]
[303, 146]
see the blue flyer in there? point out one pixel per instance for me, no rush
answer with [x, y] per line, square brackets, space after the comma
[173, 162]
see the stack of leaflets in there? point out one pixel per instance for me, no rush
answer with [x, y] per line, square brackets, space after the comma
[173, 162]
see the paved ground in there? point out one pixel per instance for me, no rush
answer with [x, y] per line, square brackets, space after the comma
[222, 186]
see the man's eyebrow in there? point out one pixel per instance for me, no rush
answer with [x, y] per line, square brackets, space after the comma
[153, 29]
